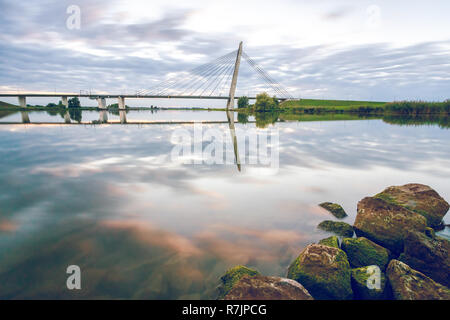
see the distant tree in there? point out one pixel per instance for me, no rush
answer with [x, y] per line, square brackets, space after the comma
[265, 103]
[242, 117]
[263, 119]
[243, 102]
[74, 102]
[75, 114]
[51, 105]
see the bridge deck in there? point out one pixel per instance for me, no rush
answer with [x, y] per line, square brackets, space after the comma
[95, 96]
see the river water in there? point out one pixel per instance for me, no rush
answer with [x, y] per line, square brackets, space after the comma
[143, 224]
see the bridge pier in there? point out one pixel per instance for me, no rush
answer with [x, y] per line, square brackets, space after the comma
[25, 117]
[121, 101]
[123, 117]
[67, 117]
[103, 116]
[65, 101]
[23, 101]
[101, 103]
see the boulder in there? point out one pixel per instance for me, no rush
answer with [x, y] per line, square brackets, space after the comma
[335, 209]
[409, 284]
[385, 223]
[363, 252]
[428, 254]
[340, 228]
[324, 271]
[420, 199]
[332, 241]
[267, 288]
[232, 276]
[365, 287]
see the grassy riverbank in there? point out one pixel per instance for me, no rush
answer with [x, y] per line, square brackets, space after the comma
[330, 104]
[374, 107]
[303, 106]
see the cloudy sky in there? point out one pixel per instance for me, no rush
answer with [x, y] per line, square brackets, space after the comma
[374, 50]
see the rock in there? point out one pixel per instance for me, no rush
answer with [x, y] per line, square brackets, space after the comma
[324, 271]
[335, 209]
[232, 276]
[428, 254]
[332, 241]
[409, 284]
[418, 198]
[385, 223]
[440, 227]
[374, 290]
[337, 227]
[363, 252]
[267, 288]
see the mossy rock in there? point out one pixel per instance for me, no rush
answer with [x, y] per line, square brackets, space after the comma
[429, 254]
[363, 252]
[267, 288]
[340, 228]
[334, 209]
[365, 286]
[324, 271]
[332, 241]
[418, 198]
[385, 223]
[232, 276]
[410, 284]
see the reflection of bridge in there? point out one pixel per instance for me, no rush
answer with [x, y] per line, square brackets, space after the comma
[207, 81]
[103, 119]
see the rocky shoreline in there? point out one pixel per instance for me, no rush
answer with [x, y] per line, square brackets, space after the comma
[394, 255]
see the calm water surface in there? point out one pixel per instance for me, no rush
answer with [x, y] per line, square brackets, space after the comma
[110, 199]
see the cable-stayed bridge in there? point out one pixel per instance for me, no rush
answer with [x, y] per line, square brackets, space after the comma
[213, 80]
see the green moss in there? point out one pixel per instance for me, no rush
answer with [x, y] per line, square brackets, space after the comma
[324, 280]
[386, 197]
[337, 227]
[232, 276]
[363, 252]
[330, 241]
[335, 209]
[391, 200]
[430, 233]
[360, 288]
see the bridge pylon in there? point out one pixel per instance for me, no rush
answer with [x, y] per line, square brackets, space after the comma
[230, 103]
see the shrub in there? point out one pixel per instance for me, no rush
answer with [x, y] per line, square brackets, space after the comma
[243, 102]
[265, 103]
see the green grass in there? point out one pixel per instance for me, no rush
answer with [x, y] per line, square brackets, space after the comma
[396, 107]
[315, 106]
[342, 104]
[289, 116]
[418, 107]
[7, 105]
